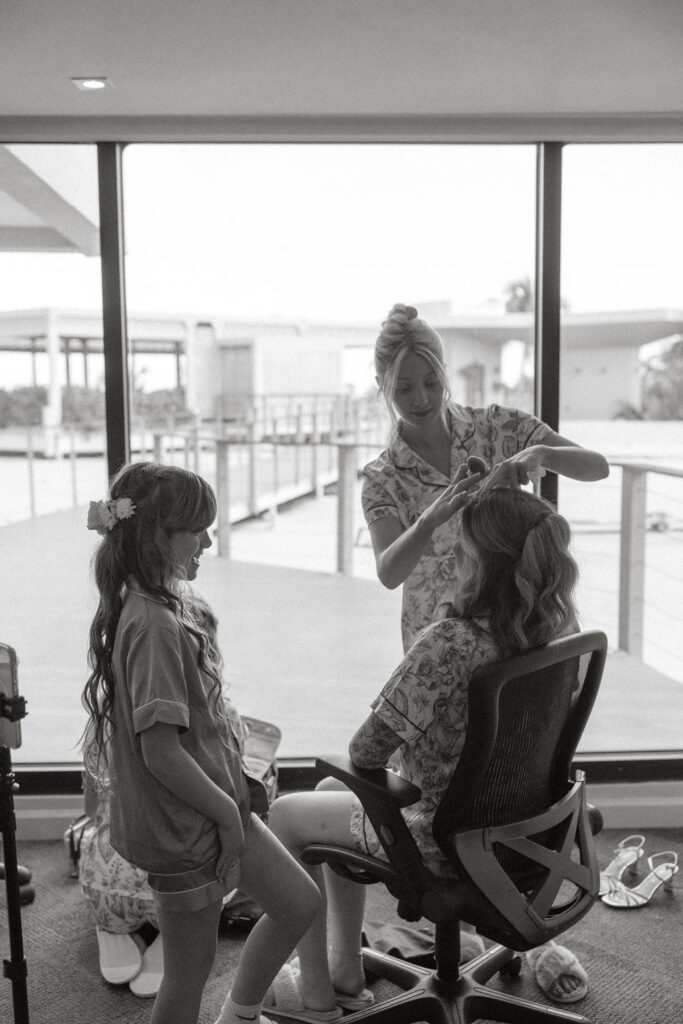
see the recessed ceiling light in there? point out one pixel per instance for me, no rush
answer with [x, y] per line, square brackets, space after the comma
[91, 84]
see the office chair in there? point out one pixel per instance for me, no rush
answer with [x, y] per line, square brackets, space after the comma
[514, 825]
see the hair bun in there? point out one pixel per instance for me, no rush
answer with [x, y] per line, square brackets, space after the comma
[401, 314]
[398, 319]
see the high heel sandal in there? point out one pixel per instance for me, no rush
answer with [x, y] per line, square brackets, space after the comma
[628, 853]
[661, 873]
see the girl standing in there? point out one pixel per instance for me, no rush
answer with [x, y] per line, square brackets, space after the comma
[411, 491]
[183, 807]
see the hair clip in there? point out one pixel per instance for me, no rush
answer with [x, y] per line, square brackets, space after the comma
[104, 515]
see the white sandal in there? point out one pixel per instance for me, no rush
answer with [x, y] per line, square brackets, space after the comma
[663, 867]
[628, 853]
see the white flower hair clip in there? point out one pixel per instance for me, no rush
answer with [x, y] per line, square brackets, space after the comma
[104, 515]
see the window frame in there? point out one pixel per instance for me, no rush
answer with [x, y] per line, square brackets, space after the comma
[623, 767]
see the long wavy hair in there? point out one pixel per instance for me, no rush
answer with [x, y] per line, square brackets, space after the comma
[167, 500]
[403, 333]
[518, 572]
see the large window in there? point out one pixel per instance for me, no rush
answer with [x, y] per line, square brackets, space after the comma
[257, 277]
[621, 392]
[52, 448]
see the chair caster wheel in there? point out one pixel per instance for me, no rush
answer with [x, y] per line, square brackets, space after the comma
[512, 968]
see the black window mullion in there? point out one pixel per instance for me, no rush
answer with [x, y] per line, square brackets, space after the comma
[114, 322]
[547, 293]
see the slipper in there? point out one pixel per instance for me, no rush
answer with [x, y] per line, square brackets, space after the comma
[361, 1001]
[471, 946]
[148, 981]
[120, 958]
[284, 999]
[549, 963]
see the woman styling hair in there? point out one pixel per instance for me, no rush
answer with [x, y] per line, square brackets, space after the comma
[413, 489]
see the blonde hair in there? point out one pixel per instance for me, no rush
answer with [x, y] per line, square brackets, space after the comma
[522, 575]
[404, 333]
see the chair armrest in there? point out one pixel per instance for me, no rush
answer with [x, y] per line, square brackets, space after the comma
[375, 782]
[383, 794]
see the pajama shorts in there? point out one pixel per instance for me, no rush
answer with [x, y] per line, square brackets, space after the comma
[200, 887]
[363, 834]
[366, 840]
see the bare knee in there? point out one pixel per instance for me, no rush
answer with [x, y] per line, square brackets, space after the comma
[329, 784]
[283, 817]
[297, 901]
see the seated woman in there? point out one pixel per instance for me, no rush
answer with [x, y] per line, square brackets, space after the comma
[516, 580]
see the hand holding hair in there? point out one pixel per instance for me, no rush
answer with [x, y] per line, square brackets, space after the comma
[518, 470]
[452, 499]
[477, 466]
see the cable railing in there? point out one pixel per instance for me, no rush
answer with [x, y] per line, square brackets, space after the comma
[631, 540]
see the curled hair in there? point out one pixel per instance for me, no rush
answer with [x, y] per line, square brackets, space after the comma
[167, 499]
[521, 574]
[404, 333]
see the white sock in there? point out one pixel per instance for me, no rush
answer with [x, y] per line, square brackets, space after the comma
[233, 1013]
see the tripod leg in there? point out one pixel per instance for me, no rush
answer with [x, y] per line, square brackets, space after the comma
[15, 968]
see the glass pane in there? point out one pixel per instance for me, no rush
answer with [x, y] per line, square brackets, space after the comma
[51, 430]
[257, 277]
[622, 393]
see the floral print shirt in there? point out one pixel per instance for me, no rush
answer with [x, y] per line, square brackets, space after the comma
[401, 484]
[425, 703]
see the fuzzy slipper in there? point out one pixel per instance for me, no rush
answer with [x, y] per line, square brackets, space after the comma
[552, 962]
[361, 1001]
[284, 999]
[120, 958]
[471, 945]
[148, 981]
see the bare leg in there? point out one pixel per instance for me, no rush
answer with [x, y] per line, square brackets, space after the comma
[289, 900]
[189, 944]
[324, 816]
[344, 933]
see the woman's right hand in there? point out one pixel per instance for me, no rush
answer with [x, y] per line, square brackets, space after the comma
[452, 499]
[398, 551]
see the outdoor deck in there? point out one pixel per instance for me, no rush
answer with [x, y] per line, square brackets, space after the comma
[305, 648]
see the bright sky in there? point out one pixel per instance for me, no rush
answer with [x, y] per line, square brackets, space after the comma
[343, 232]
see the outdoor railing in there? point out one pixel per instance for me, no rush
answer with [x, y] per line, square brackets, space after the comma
[632, 561]
[339, 463]
[253, 476]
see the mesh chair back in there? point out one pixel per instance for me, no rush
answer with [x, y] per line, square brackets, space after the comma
[526, 717]
[512, 821]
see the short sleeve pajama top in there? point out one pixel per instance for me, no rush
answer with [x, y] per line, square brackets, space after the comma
[400, 484]
[159, 679]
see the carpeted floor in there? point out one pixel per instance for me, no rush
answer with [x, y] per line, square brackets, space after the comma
[634, 958]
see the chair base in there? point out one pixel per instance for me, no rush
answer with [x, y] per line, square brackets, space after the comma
[462, 1001]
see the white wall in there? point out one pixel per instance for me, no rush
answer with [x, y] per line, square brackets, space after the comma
[597, 382]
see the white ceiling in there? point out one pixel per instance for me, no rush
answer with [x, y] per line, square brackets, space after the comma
[214, 65]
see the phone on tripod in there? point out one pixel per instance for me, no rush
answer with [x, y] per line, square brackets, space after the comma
[10, 732]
